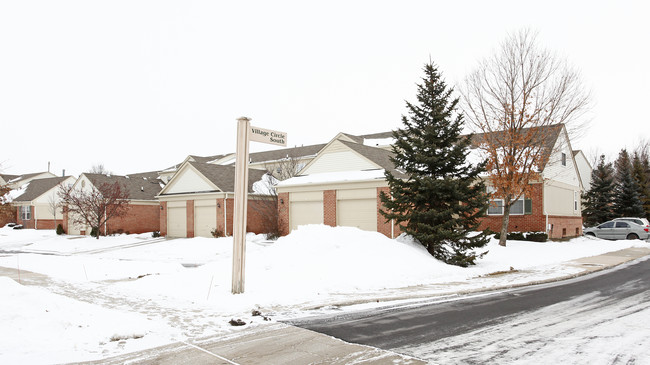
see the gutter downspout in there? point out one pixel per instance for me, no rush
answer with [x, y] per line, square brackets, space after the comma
[225, 215]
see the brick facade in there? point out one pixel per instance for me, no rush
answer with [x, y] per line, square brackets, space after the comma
[387, 228]
[9, 217]
[283, 214]
[138, 219]
[189, 210]
[329, 208]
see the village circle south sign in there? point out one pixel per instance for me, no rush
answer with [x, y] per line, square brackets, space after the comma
[245, 133]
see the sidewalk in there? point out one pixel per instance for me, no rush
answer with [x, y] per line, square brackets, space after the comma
[279, 343]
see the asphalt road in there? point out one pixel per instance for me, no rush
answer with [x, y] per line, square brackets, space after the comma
[557, 321]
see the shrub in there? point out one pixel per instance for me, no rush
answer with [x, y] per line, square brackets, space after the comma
[272, 236]
[536, 236]
[94, 232]
[155, 234]
[59, 229]
[216, 233]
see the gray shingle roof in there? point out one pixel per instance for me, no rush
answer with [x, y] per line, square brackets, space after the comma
[224, 176]
[295, 152]
[38, 187]
[138, 187]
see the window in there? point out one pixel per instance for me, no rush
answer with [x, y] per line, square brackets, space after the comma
[520, 207]
[607, 225]
[575, 200]
[622, 225]
[563, 159]
[25, 212]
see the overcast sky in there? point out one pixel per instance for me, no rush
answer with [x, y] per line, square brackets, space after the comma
[139, 85]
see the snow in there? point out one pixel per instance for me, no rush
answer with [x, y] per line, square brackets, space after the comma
[328, 177]
[13, 194]
[265, 186]
[149, 291]
[377, 142]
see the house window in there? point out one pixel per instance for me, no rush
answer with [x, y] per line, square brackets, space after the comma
[575, 200]
[563, 159]
[520, 207]
[25, 212]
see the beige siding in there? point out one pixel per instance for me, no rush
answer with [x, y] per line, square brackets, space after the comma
[339, 161]
[189, 180]
[559, 199]
[554, 170]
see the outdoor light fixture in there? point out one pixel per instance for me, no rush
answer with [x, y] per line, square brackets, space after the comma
[281, 201]
[218, 205]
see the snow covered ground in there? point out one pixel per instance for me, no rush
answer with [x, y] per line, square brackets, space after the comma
[98, 298]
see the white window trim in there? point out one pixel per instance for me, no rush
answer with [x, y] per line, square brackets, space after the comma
[523, 206]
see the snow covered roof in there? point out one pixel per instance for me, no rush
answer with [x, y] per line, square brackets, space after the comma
[333, 177]
[39, 187]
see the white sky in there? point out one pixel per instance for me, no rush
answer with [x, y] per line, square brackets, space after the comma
[139, 85]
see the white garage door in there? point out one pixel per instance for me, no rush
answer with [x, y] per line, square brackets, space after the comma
[176, 221]
[305, 208]
[205, 220]
[357, 208]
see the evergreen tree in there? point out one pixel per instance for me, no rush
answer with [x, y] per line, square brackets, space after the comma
[598, 201]
[640, 173]
[441, 199]
[627, 202]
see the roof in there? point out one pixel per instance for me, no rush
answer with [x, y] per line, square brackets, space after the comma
[137, 187]
[7, 177]
[545, 135]
[39, 187]
[379, 135]
[377, 155]
[224, 176]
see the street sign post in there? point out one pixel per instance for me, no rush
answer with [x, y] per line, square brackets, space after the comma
[245, 133]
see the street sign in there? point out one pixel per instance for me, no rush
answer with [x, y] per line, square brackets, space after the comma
[267, 136]
[245, 133]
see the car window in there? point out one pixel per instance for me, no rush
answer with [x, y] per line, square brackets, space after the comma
[622, 225]
[607, 225]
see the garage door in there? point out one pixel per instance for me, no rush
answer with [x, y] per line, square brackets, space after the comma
[305, 208]
[357, 208]
[205, 220]
[176, 221]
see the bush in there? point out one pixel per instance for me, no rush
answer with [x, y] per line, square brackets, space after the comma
[216, 233]
[94, 232]
[525, 236]
[18, 226]
[155, 234]
[536, 236]
[272, 236]
[59, 229]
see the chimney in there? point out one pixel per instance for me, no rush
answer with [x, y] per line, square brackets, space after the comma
[48, 166]
[63, 173]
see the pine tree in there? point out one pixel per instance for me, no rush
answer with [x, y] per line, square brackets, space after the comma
[627, 202]
[640, 173]
[442, 198]
[599, 199]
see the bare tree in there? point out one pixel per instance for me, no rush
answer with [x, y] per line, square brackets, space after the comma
[53, 207]
[94, 207]
[512, 99]
[100, 169]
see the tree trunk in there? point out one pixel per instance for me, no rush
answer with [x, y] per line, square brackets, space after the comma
[504, 223]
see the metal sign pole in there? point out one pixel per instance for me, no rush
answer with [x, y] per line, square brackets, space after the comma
[241, 195]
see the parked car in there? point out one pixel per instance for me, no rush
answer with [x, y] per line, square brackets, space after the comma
[619, 230]
[641, 221]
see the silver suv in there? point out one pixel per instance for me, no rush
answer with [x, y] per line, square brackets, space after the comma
[640, 221]
[619, 230]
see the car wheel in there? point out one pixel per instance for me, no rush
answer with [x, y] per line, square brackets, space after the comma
[590, 234]
[632, 236]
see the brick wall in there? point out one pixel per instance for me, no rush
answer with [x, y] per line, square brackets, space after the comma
[564, 226]
[283, 214]
[261, 216]
[329, 207]
[384, 227]
[9, 217]
[26, 223]
[535, 222]
[138, 219]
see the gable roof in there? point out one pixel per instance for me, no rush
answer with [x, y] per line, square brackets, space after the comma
[378, 156]
[39, 187]
[222, 176]
[546, 136]
[137, 187]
